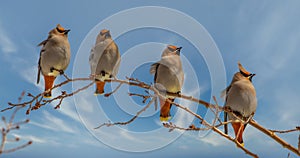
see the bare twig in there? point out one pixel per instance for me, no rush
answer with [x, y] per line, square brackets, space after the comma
[8, 127]
[275, 137]
[205, 123]
[129, 121]
[117, 88]
[145, 97]
[37, 101]
[192, 127]
[286, 131]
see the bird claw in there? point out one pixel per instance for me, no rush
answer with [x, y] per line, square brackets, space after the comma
[61, 72]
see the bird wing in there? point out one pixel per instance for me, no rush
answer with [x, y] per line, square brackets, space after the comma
[39, 70]
[117, 61]
[43, 43]
[224, 96]
[225, 92]
[95, 56]
[153, 70]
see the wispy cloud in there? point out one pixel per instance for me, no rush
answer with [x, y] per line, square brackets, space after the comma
[214, 139]
[6, 44]
[30, 75]
[270, 49]
[53, 123]
[30, 138]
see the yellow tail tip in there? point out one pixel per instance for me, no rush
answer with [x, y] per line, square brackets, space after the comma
[162, 119]
[47, 95]
[242, 144]
[97, 93]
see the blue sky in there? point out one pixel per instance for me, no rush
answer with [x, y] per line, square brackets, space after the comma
[263, 35]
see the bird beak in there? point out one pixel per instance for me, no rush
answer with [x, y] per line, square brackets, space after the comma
[250, 77]
[178, 50]
[67, 31]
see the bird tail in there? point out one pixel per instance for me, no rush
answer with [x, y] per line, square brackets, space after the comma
[165, 107]
[38, 76]
[225, 126]
[99, 87]
[239, 130]
[49, 80]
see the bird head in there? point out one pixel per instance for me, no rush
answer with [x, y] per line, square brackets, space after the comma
[245, 73]
[59, 30]
[104, 34]
[171, 50]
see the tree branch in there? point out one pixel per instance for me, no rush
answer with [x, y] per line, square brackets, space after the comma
[10, 126]
[37, 101]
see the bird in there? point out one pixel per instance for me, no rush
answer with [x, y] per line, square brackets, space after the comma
[54, 57]
[104, 60]
[240, 98]
[168, 78]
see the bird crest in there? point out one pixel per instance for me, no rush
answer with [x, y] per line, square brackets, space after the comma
[171, 47]
[243, 70]
[60, 28]
[104, 31]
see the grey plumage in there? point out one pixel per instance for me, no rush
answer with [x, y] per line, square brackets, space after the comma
[104, 59]
[54, 56]
[241, 99]
[168, 72]
[168, 77]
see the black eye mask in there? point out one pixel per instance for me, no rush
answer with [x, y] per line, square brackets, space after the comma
[244, 74]
[59, 30]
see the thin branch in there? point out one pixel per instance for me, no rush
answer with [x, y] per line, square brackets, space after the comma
[145, 97]
[9, 126]
[286, 131]
[216, 130]
[16, 148]
[275, 137]
[117, 88]
[129, 121]
[38, 101]
[192, 127]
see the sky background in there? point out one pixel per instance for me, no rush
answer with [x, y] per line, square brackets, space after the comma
[263, 35]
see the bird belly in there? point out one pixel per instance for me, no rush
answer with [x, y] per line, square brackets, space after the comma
[56, 58]
[242, 101]
[167, 80]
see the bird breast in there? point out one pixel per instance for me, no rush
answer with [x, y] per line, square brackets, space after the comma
[242, 98]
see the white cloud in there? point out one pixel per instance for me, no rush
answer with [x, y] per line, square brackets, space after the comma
[67, 107]
[213, 139]
[30, 138]
[6, 44]
[53, 123]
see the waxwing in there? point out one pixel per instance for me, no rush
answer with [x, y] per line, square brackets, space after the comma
[168, 77]
[240, 97]
[104, 60]
[54, 57]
